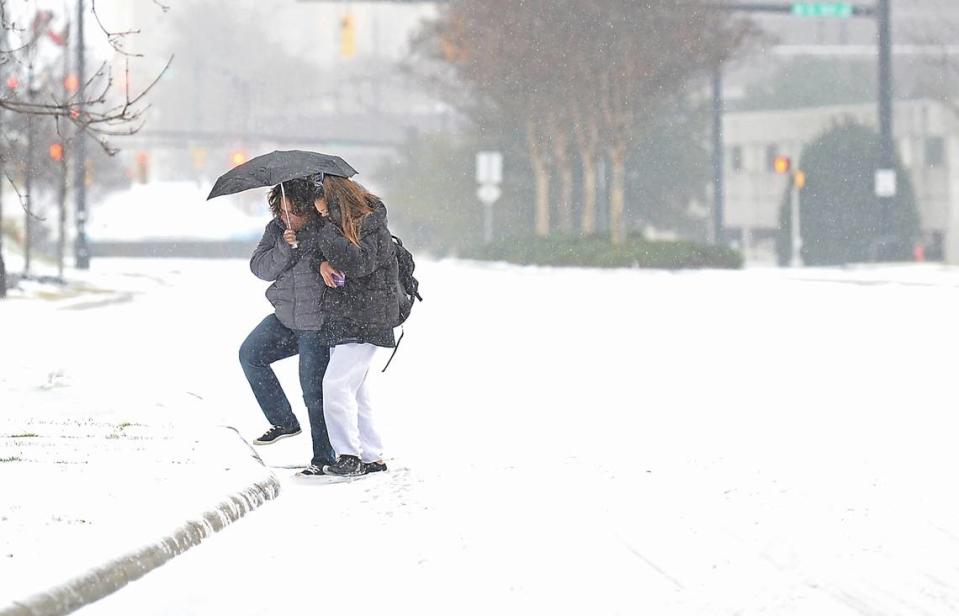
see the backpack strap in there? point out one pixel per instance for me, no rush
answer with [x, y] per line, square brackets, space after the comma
[395, 349]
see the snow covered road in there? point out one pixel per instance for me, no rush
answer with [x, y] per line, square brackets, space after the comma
[562, 441]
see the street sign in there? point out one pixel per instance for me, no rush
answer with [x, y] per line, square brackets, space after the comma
[885, 183]
[489, 193]
[822, 9]
[489, 168]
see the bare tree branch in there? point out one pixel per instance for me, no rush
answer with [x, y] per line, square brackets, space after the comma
[116, 39]
[20, 196]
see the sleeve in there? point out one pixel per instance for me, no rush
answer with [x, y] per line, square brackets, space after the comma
[354, 261]
[272, 255]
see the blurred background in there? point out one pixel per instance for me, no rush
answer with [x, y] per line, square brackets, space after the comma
[583, 132]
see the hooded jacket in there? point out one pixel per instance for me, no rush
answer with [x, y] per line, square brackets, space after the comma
[366, 307]
[297, 290]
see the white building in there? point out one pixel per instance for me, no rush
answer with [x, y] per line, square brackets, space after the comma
[927, 139]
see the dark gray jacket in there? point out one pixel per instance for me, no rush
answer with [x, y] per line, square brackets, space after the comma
[369, 296]
[297, 289]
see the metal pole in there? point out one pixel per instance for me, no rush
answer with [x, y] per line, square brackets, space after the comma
[887, 151]
[29, 171]
[487, 223]
[796, 232]
[62, 177]
[718, 156]
[81, 247]
[3, 267]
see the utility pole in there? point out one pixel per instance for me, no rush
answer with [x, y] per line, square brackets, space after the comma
[887, 148]
[30, 168]
[3, 84]
[81, 246]
[59, 156]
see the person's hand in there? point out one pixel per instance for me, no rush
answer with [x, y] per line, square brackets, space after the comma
[327, 271]
[289, 236]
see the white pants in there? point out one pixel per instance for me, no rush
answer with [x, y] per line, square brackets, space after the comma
[346, 403]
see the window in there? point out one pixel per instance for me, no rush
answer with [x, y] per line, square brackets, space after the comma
[771, 153]
[736, 158]
[935, 152]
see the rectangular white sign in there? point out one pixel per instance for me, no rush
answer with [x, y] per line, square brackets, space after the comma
[489, 167]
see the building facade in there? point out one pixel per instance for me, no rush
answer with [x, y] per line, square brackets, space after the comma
[927, 139]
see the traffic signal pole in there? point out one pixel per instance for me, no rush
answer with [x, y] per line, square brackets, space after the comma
[887, 147]
[881, 12]
[3, 84]
[81, 247]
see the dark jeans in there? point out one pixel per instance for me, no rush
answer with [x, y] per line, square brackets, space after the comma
[272, 341]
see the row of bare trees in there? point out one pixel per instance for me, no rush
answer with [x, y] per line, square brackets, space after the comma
[583, 77]
[39, 82]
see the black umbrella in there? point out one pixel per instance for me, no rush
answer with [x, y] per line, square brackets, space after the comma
[278, 167]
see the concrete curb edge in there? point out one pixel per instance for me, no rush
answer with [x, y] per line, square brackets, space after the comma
[106, 579]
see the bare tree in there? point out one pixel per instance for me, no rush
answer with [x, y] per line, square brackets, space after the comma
[583, 73]
[652, 51]
[97, 108]
[495, 47]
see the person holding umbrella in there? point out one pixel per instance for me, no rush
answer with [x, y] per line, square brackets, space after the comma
[288, 256]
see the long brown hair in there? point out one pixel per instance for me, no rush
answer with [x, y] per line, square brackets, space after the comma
[354, 202]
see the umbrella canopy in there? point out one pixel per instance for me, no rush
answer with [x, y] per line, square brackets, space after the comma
[276, 167]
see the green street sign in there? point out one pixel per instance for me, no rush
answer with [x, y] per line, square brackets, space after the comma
[822, 9]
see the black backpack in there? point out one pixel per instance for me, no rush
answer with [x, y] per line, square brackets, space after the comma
[407, 288]
[406, 285]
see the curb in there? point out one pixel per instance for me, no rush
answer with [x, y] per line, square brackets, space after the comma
[106, 579]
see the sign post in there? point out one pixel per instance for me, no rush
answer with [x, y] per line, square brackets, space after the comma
[489, 176]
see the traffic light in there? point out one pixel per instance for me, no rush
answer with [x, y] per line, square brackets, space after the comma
[143, 167]
[71, 83]
[799, 179]
[782, 164]
[12, 82]
[348, 36]
[237, 157]
[56, 152]
[199, 158]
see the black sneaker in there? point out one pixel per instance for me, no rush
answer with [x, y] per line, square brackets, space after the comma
[276, 433]
[345, 466]
[311, 471]
[374, 467]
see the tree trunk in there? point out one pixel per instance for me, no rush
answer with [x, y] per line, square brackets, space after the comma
[541, 176]
[565, 169]
[586, 130]
[588, 163]
[617, 195]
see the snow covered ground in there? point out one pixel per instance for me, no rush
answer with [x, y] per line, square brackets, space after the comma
[561, 441]
[172, 210]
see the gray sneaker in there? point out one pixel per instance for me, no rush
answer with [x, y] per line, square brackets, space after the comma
[374, 467]
[345, 466]
[311, 471]
[276, 433]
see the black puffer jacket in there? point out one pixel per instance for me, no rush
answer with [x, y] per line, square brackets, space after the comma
[297, 290]
[366, 307]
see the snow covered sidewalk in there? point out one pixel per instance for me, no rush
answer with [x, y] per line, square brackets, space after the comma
[110, 461]
[88, 506]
